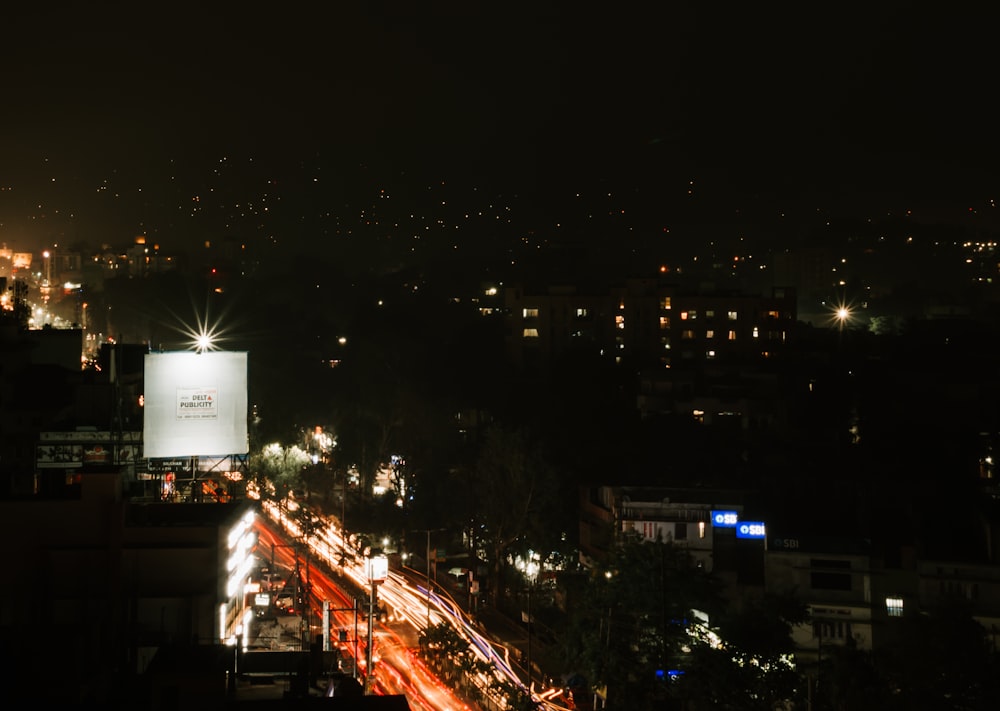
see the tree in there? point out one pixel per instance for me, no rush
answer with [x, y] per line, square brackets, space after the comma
[453, 659]
[751, 666]
[512, 489]
[278, 470]
[850, 681]
[942, 660]
[635, 621]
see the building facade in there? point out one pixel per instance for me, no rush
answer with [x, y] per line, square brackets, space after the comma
[645, 323]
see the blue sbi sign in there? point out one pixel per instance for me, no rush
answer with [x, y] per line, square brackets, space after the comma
[750, 529]
[725, 519]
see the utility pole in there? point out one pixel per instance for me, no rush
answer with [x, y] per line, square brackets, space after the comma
[529, 639]
[428, 531]
[328, 611]
[343, 507]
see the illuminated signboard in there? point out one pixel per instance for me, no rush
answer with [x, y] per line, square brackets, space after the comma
[195, 404]
[750, 529]
[724, 519]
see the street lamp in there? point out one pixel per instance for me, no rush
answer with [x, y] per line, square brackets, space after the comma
[841, 317]
[378, 571]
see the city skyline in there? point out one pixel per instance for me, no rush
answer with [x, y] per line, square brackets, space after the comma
[307, 129]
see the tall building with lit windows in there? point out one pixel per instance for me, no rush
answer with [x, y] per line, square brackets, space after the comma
[644, 323]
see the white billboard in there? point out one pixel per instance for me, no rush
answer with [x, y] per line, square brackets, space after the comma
[195, 404]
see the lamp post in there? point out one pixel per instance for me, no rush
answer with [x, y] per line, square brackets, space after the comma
[841, 317]
[378, 571]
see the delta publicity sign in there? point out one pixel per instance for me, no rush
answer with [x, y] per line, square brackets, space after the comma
[195, 404]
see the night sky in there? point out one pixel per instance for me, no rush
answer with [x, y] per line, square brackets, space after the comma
[182, 121]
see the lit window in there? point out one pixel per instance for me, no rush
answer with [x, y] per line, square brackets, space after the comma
[701, 529]
[774, 314]
[684, 315]
[710, 313]
[664, 322]
[710, 333]
[582, 313]
[692, 314]
[756, 333]
[531, 333]
[530, 313]
[894, 606]
[687, 334]
[619, 321]
[665, 303]
[732, 315]
[732, 335]
[710, 354]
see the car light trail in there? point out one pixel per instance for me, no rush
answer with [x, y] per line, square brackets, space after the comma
[417, 606]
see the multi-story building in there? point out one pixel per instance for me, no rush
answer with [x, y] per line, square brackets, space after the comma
[857, 590]
[860, 594]
[646, 323]
[836, 579]
[682, 517]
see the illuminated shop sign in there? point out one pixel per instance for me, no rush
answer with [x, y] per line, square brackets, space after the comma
[725, 519]
[750, 529]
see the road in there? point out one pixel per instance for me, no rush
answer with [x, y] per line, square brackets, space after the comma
[398, 668]
[411, 608]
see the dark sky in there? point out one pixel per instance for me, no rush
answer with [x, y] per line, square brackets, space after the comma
[886, 101]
